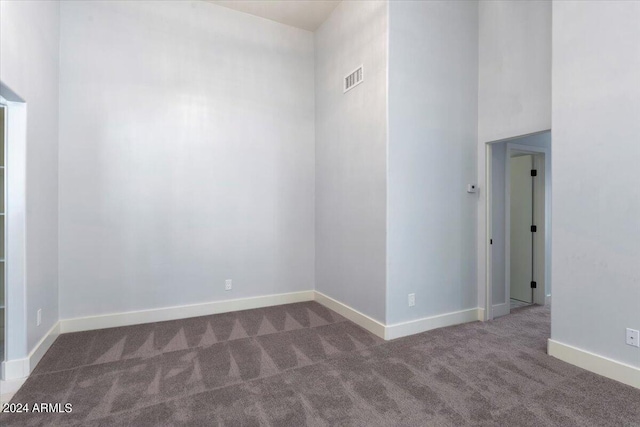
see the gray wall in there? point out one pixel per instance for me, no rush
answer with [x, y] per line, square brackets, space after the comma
[186, 156]
[514, 96]
[351, 157]
[433, 89]
[596, 196]
[29, 63]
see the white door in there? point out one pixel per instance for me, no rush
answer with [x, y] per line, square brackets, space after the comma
[521, 239]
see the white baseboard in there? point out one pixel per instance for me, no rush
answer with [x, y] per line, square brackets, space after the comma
[9, 388]
[41, 348]
[389, 332]
[547, 300]
[13, 369]
[600, 365]
[352, 314]
[501, 309]
[417, 326]
[180, 312]
[16, 369]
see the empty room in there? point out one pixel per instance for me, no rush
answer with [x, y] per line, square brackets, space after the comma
[319, 213]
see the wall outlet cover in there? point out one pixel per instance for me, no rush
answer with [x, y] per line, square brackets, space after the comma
[228, 285]
[633, 337]
[412, 300]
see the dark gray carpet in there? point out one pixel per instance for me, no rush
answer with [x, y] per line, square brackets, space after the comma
[301, 364]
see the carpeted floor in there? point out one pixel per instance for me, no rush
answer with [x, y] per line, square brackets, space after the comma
[302, 364]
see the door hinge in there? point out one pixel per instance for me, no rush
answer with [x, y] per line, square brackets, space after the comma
[534, 285]
[534, 228]
[534, 172]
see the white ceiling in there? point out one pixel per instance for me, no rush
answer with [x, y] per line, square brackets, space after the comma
[305, 14]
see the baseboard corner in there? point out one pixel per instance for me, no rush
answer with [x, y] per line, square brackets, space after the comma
[360, 319]
[15, 370]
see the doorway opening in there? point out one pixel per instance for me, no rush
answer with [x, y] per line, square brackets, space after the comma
[13, 156]
[519, 223]
[3, 308]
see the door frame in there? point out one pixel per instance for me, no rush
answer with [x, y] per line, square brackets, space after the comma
[16, 356]
[540, 297]
[4, 111]
[539, 155]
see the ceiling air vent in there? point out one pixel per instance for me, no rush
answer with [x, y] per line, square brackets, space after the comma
[353, 79]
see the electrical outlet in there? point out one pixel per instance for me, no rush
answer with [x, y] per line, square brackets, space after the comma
[227, 285]
[412, 300]
[633, 337]
[39, 317]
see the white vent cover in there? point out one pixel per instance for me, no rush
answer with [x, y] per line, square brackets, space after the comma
[353, 79]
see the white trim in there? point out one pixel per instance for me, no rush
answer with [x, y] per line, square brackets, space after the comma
[547, 300]
[15, 369]
[387, 135]
[352, 314]
[9, 388]
[41, 348]
[180, 312]
[488, 226]
[15, 225]
[398, 330]
[412, 327]
[4, 112]
[600, 365]
[501, 309]
[21, 368]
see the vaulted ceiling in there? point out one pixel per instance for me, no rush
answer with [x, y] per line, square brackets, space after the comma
[305, 14]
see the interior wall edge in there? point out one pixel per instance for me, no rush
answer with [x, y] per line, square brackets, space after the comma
[370, 324]
[15, 369]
